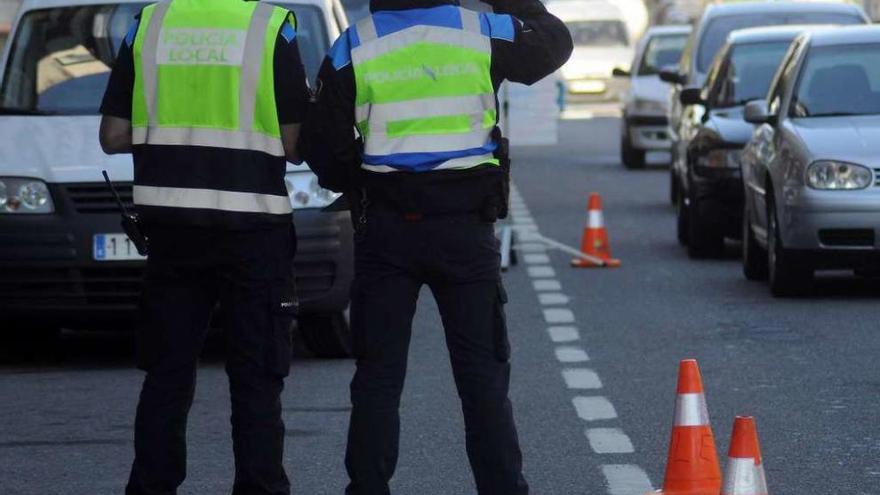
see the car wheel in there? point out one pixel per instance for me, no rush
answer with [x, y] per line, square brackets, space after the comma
[326, 335]
[631, 157]
[786, 277]
[754, 257]
[704, 240]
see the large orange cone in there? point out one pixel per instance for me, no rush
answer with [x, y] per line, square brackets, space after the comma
[745, 473]
[594, 242]
[692, 465]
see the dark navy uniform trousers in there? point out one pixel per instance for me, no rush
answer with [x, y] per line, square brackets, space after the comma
[190, 271]
[458, 258]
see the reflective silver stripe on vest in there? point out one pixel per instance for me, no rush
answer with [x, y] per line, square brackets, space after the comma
[366, 30]
[215, 138]
[244, 138]
[470, 21]
[149, 60]
[419, 34]
[379, 144]
[462, 163]
[380, 114]
[180, 197]
[254, 45]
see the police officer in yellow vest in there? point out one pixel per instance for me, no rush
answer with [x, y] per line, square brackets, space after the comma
[208, 97]
[427, 178]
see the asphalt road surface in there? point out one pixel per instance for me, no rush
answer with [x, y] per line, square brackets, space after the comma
[595, 360]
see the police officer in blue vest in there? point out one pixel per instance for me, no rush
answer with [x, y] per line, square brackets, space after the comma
[427, 177]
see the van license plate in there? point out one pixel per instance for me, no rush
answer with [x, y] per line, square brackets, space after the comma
[114, 247]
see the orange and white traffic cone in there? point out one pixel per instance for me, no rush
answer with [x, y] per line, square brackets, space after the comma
[745, 473]
[692, 465]
[594, 243]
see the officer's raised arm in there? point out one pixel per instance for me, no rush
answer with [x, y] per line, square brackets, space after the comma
[539, 43]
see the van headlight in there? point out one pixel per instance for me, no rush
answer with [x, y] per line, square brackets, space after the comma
[25, 196]
[304, 191]
[832, 175]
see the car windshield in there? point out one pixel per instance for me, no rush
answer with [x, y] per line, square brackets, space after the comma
[716, 32]
[662, 51]
[839, 80]
[60, 59]
[598, 33]
[749, 72]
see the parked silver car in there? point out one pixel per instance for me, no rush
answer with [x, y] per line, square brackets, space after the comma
[645, 126]
[810, 171]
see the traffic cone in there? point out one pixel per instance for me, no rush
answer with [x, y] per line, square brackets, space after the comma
[745, 473]
[692, 465]
[594, 242]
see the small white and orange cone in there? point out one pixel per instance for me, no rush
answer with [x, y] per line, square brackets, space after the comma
[745, 471]
[594, 243]
[692, 466]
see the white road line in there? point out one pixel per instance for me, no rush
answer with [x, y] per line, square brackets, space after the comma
[541, 271]
[622, 479]
[530, 237]
[571, 354]
[626, 479]
[563, 334]
[558, 315]
[546, 285]
[531, 247]
[594, 408]
[609, 441]
[581, 379]
[552, 299]
[536, 259]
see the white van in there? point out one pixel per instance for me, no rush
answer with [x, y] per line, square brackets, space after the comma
[64, 261]
[603, 42]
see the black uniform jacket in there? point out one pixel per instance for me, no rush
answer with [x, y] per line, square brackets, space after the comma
[541, 45]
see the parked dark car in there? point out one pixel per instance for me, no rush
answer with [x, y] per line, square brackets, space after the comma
[710, 189]
[718, 21]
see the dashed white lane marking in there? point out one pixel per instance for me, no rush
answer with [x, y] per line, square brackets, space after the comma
[536, 258]
[609, 441]
[571, 354]
[626, 479]
[541, 271]
[531, 247]
[558, 315]
[552, 299]
[581, 379]
[563, 334]
[621, 479]
[546, 285]
[594, 408]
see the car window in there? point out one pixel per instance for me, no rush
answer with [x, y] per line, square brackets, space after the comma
[839, 80]
[662, 51]
[60, 59]
[782, 76]
[748, 73]
[598, 33]
[717, 29]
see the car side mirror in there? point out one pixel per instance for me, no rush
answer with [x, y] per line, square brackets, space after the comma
[618, 72]
[691, 96]
[756, 113]
[673, 77]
